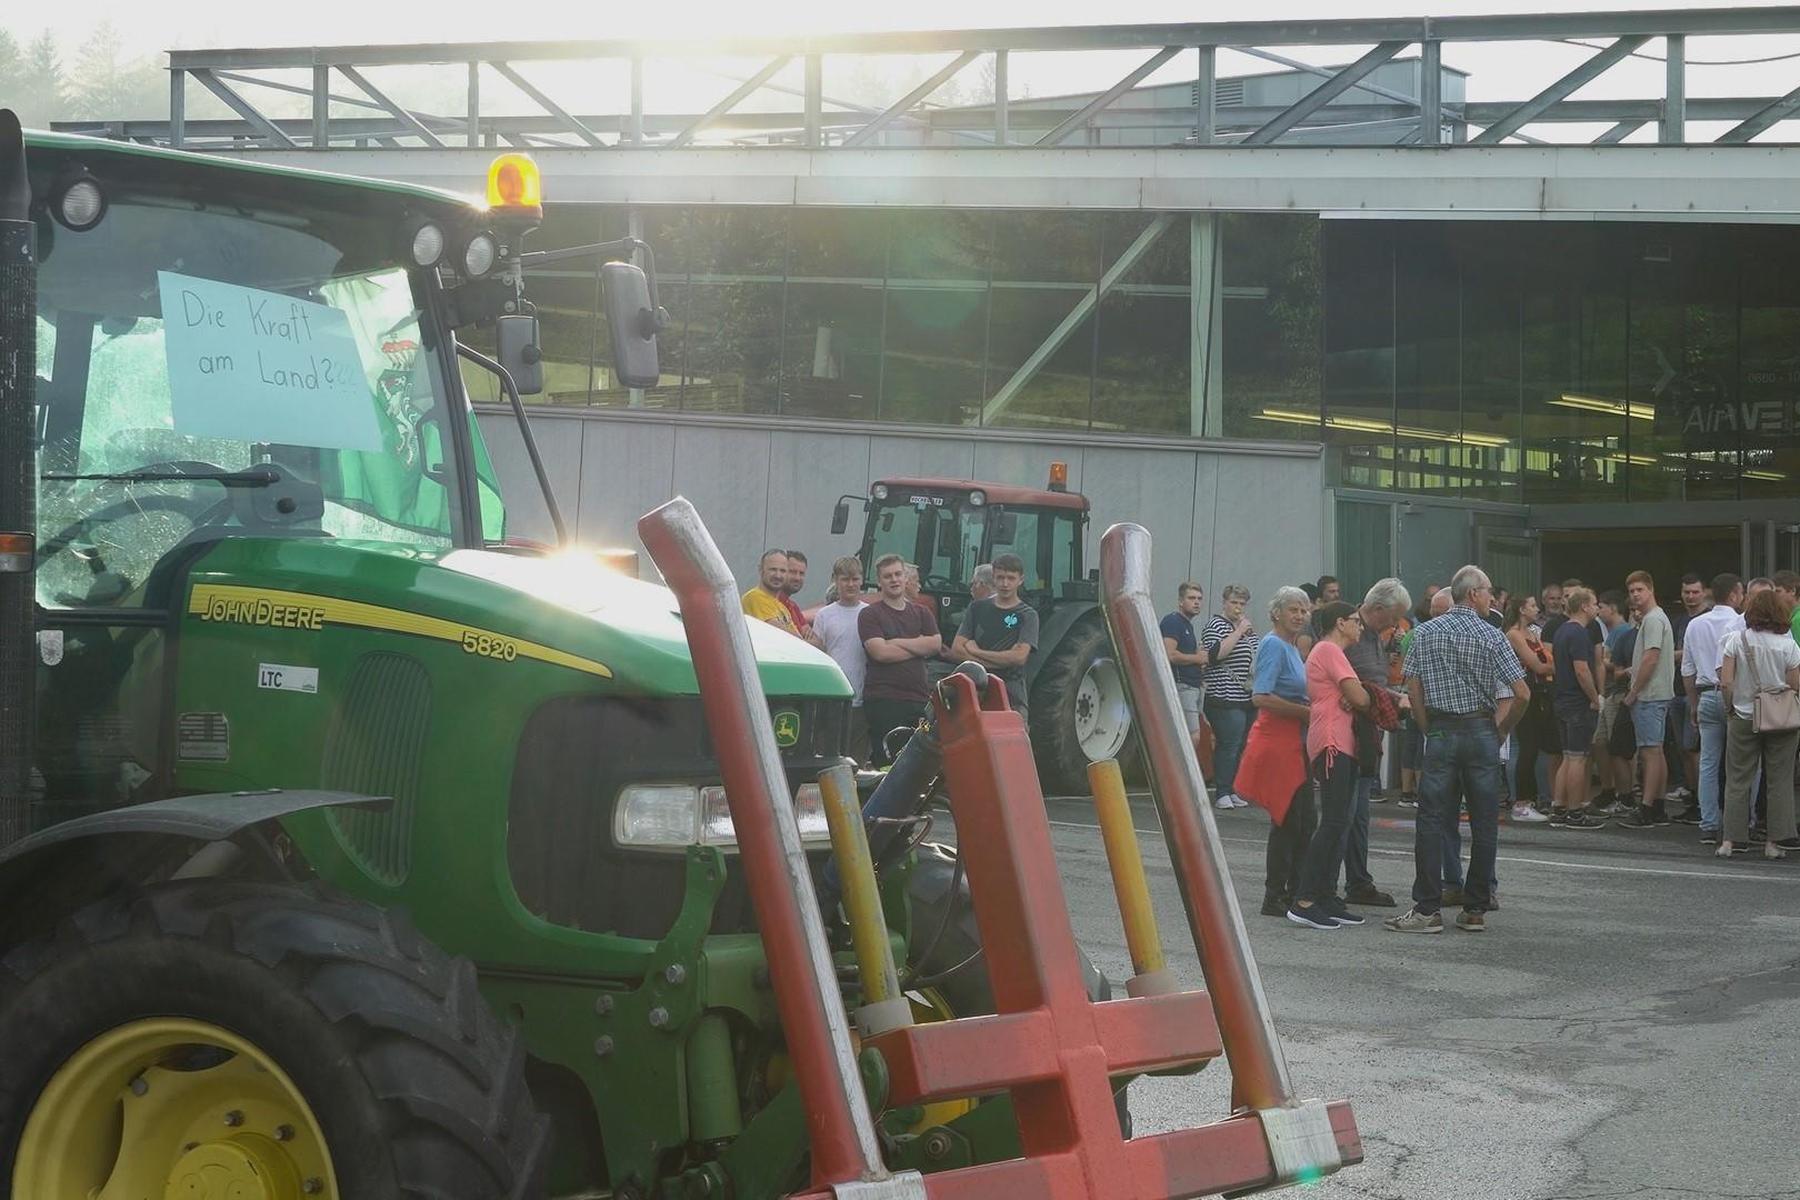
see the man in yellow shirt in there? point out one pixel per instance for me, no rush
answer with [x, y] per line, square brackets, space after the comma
[763, 602]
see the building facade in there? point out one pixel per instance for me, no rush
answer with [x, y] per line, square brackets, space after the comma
[1329, 318]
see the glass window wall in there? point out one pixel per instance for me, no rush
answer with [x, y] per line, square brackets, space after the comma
[1271, 321]
[1538, 362]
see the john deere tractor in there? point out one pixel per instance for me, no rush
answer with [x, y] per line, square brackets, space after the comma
[1078, 707]
[350, 851]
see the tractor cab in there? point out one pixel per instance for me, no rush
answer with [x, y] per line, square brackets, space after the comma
[951, 526]
[230, 354]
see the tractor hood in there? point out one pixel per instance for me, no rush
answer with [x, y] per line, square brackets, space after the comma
[562, 610]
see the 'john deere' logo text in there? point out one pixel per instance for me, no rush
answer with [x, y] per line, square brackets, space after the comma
[787, 728]
[253, 611]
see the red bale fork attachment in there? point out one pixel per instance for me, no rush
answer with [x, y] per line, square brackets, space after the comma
[1048, 1044]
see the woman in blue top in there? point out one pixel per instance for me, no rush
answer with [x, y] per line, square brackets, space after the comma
[1273, 773]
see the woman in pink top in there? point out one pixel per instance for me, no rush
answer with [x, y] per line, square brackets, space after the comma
[1333, 692]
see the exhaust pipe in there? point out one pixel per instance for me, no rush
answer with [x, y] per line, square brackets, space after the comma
[18, 481]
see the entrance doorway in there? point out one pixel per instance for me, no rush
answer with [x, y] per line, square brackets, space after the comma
[1602, 558]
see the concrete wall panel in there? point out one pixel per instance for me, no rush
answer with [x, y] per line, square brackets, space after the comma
[559, 444]
[1027, 464]
[725, 473]
[1269, 523]
[897, 454]
[1154, 488]
[808, 471]
[1252, 518]
[627, 469]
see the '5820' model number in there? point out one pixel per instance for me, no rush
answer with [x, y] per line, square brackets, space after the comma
[489, 646]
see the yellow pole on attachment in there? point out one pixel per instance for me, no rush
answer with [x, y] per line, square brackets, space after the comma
[1150, 973]
[884, 1007]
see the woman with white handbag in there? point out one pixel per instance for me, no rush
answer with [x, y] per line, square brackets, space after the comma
[1761, 675]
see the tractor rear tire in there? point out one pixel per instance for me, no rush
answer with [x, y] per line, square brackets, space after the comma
[414, 1087]
[966, 990]
[1072, 726]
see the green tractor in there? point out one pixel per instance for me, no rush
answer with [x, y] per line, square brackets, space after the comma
[348, 849]
[1078, 708]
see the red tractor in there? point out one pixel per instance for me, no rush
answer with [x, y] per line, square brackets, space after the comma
[1078, 706]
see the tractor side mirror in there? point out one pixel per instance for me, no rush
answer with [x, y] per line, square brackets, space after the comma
[516, 345]
[840, 517]
[1006, 528]
[632, 323]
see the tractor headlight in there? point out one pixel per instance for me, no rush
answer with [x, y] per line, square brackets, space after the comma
[427, 244]
[879, 491]
[673, 816]
[79, 203]
[977, 498]
[479, 255]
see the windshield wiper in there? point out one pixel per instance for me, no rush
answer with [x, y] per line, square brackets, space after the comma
[251, 477]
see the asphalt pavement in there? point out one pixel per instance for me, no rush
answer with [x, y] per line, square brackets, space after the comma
[1628, 1025]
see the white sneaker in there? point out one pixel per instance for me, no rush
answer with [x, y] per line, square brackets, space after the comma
[1238, 801]
[1223, 803]
[1526, 814]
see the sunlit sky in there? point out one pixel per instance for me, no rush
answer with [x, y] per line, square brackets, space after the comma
[1498, 71]
[210, 23]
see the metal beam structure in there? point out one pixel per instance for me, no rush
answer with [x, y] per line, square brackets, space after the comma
[1563, 88]
[1084, 307]
[262, 125]
[1748, 183]
[234, 76]
[1080, 119]
[550, 106]
[908, 102]
[1325, 93]
[738, 94]
[401, 114]
[1776, 110]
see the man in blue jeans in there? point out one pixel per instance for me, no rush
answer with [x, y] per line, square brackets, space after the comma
[1455, 667]
[1703, 651]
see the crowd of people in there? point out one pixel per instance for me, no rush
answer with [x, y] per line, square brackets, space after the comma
[883, 642]
[1572, 709]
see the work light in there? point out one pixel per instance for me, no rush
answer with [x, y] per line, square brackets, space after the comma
[80, 203]
[479, 255]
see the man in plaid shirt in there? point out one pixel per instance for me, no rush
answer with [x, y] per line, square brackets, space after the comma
[1457, 671]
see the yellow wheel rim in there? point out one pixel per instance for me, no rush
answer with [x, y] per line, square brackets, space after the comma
[929, 1005]
[172, 1109]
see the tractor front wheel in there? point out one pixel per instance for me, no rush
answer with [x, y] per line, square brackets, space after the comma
[1079, 710]
[258, 1041]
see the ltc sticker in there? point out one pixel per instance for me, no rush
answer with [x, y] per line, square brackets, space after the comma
[279, 678]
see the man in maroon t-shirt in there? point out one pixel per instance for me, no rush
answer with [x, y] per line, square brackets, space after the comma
[898, 636]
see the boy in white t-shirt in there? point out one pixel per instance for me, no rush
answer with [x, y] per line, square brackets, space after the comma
[835, 626]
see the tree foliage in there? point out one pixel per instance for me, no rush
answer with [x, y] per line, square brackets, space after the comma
[99, 83]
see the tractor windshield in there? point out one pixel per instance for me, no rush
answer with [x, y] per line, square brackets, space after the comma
[179, 342]
[942, 534]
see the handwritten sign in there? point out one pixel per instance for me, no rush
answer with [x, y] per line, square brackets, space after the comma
[258, 366]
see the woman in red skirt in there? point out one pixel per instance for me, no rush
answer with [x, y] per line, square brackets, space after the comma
[1273, 773]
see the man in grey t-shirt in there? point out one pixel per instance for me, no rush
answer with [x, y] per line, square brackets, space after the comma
[1652, 684]
[1001, 632]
